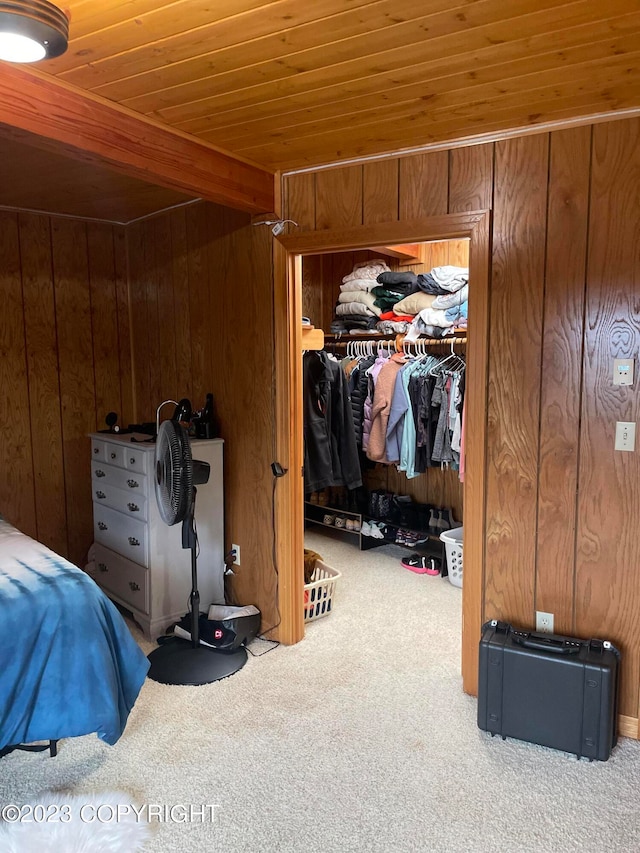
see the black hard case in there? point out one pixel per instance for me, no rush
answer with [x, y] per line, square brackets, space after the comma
[551, 690]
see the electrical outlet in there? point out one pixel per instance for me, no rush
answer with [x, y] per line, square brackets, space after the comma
[544, 622]
[236, 559]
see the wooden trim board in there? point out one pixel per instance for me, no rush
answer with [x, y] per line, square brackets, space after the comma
[475, 226]
[629, 727]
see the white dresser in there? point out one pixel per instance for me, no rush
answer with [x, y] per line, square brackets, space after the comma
[139, 560]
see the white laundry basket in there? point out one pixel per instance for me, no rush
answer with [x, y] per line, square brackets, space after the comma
[453, 546]
[319, 595]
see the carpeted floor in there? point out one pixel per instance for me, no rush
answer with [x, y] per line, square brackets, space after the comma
[357, 739]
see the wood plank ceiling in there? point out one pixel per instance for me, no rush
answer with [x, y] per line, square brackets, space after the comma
[293, 83]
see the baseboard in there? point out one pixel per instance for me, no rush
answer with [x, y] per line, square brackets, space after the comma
[629, 727]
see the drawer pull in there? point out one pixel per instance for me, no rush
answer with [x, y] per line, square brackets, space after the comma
[133, 507]
[96, 450]
[100, 495]
[113, 455]
[133, 541]
[133, 484]
[100, 473]
[133, 586]
[132, 460]
[103, 567]
[102, 525]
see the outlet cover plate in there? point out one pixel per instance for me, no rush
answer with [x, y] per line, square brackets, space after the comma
[544, 622]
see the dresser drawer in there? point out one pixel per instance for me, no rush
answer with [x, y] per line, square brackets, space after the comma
[129, 482]
[136, 459]
[124, 578]
[120, 533]
[128, 503]
[97, 450]
[114, 454]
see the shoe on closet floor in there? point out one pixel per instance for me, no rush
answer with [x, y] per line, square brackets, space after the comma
[420, 537]
[434, 566]
[365, 528]
[417, 563]
[401, 538]
[377, 530]
[421, 565]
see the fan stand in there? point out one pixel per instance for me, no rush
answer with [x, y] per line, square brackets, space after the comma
[179, 661]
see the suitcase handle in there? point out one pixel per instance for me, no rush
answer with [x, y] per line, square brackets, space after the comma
[546, 644]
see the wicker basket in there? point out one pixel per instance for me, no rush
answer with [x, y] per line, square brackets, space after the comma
[320, 593]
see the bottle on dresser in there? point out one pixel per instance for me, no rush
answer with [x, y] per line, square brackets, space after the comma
[207, 422]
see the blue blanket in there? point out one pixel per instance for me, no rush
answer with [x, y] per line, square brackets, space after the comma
[68, 663]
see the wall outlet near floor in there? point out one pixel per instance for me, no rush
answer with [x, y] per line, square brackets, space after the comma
[544, 622]
[236, 558]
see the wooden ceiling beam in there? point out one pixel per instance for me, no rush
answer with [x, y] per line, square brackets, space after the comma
[57, 117]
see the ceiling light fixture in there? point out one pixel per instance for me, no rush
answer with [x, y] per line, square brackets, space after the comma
[31, 30]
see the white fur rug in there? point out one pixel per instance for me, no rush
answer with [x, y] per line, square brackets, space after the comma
[98, 823]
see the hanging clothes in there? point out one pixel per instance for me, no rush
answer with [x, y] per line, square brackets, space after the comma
[330, 451]
[376, 449]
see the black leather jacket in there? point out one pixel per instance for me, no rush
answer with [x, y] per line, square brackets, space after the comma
[330, 452]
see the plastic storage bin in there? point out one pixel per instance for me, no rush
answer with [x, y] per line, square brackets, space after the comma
[453, 547]
[319, 595]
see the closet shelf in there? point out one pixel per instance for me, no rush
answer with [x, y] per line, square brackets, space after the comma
[408, 253]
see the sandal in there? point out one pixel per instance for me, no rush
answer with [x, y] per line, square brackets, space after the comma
[420, 564]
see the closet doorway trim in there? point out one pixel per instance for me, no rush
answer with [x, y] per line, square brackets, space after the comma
[288, 252]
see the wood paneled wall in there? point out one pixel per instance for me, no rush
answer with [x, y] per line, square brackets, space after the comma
[65, 362]
[202, 321]
[562, 505]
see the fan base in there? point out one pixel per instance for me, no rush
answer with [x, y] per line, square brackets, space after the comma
[177, 662]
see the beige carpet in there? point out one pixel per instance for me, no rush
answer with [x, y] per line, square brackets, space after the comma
[357, 739]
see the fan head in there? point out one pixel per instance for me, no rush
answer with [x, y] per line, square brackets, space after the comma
[174, 472]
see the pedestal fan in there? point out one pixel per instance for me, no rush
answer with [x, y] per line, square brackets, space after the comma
[179, 661]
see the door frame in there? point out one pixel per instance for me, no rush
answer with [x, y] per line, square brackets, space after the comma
[289, 494]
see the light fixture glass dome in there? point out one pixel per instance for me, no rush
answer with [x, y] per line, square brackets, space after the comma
[17, 48]
[31, 30]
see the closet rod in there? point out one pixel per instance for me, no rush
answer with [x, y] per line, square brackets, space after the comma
[397, 340]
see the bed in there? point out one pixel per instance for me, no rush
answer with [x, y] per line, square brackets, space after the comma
[68, 663]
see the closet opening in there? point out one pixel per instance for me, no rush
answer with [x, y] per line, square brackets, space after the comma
[379, 499]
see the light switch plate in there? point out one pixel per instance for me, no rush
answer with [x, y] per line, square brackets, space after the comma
[625, 435]
[623, 371]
